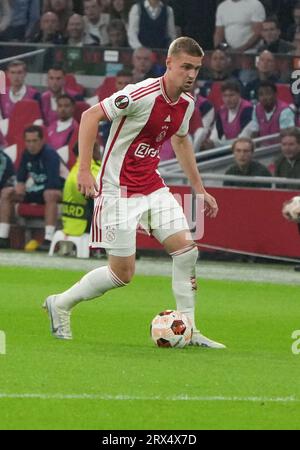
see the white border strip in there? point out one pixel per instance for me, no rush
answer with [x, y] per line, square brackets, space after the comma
[122, 397]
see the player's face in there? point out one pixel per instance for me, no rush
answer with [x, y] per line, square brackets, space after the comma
[65, 109]
[231, 99]
[242, 154]
[33, 143]
[16, 75]
[183, 69]
[56, 80]
[290, 147]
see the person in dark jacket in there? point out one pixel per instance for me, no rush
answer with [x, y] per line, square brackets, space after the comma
[288, 163]
[271, 38]
[243, 151]
[38, 179]
[7, 181]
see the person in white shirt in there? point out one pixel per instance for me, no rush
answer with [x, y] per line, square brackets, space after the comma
[16, 73]
[151, 24]
[239, 23]
[5, 15]
[95, 21]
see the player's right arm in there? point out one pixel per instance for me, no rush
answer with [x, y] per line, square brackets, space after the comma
[88, 130]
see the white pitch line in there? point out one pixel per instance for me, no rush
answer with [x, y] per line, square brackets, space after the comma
[122, 397]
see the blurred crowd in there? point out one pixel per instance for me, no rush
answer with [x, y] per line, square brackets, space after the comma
[235, 103]
[240, 25]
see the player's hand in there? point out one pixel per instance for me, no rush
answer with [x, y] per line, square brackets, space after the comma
[86, 184]
[210, 205]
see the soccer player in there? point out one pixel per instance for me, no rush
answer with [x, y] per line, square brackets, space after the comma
[131, 191]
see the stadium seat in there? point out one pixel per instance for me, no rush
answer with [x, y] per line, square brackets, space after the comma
[107, 88]
[25, 113]
[215, 95]
[81, 243]
[284, 93]
[30, 220]
[195, 122]
[80, 107]
[30, 210]
[71, 83]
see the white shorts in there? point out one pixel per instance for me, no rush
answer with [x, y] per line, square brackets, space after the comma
[116, 219]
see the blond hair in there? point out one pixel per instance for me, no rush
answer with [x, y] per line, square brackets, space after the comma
[186, 45]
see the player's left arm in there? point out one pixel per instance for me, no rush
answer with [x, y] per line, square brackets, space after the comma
[184, 152]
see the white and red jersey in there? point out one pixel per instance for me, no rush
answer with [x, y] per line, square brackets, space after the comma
[143, 117]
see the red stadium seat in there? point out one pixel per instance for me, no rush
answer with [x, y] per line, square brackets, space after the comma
[215, 95]
[80, 107]
[30, 210]
[195, 122]
[71, 83]
[23, 115]
[284, 93]
[107, 88]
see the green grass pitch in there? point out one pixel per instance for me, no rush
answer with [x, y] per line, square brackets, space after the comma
[111, 376]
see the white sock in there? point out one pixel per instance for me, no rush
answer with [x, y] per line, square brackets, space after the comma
[49, 232]
[4, 230]
[93, 284]
[184, 281]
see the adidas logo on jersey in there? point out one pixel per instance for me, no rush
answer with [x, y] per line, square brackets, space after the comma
[168, 119]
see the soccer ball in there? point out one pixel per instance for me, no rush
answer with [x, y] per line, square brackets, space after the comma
[171, 329]
[291, 209]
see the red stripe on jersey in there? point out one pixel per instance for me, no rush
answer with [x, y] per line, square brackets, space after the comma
[105, 111]
[146, 93]
[94, 221]
[93, 228]
[109, 151]
[190, 95]
[96, 227]
[153, 86]
[156, 82]
[139, 173]
[99, 222]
